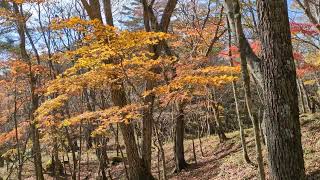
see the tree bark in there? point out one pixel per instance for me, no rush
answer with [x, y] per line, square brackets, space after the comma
[108, 12]
[92, 8]
[234, 89]
[179, 139]
[283, 132]
[305, 95]
[137, 170]
[147, 123]
[301, 97]
[160, 144]
[222, 136]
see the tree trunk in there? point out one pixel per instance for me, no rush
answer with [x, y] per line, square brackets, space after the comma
[101, 150]
[80, 151]
[108, 12]
[253, 118]
[57, 166]
[160, 143]
[245, 51]
[301, 97]
[305, 94]
[194, 151]
[220, 131]
[16, 134]
[147, 121]
[179, 139]
[136, 169]
[70, 141]
[234, 16]
[200, 141]
[283, 132]
[234, 89]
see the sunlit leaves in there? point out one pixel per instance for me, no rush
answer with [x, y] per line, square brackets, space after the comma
[50, 105]
[105, 55]
[10, 136]
[103, 118]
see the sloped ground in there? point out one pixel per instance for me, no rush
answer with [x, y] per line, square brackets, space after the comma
[223, 161]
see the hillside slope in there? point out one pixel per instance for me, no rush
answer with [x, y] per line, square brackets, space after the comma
[224, 161]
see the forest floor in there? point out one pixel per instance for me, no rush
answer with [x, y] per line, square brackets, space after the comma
[224, 161]
[220, 161]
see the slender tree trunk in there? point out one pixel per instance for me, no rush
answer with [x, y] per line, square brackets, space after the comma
[137, 170]
[73, 152]
[80, 151]
[234, 89]
[220, 131]
[163, 158]
[56, 162]
[200, 141]
[283, 132]
[179, 140]
[108, 12]
[101, 150]
[194, 151]
[117, 139]
[124, 164]
[147, 121]
[254, 119]
[301, 97]
[245, 49]
[34, 97]
[305, 94]
[151, 24]
[16, 134]
[214, 108]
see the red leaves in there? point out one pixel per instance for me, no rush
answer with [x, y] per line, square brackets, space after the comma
[255, 45]
[234, 52]
[304, 69]
[297, 56]
[304, 28]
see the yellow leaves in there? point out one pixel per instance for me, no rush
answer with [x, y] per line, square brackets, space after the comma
[75, 23]
[108, 116]
[221, 69]
[313, 59]
[114, 114]
[195, 83]
[201, 78]
[44, 111]
[106, 55]
[198, 80]
[9, 15]
[73, 84]
[309, 82]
